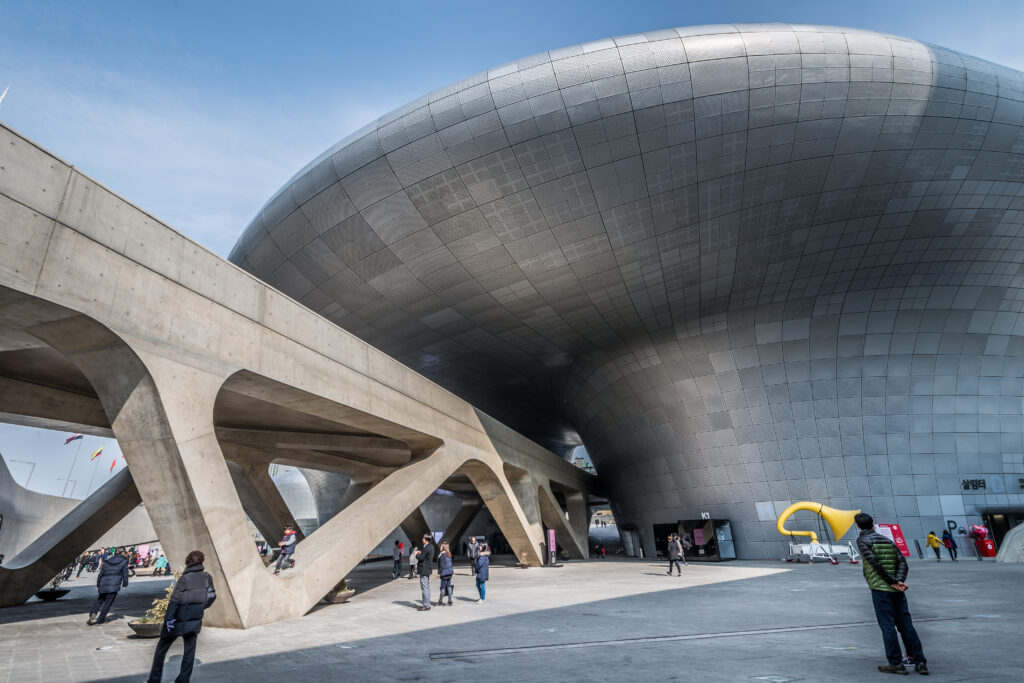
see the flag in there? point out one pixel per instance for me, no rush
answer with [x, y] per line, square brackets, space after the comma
[112, 463]
[73, 437]
[96, 454]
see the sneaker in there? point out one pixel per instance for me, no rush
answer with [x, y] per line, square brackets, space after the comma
[894, 669]
[421, 608]
[277, 573]
[92, 618]
[921, 668]
[449, 603]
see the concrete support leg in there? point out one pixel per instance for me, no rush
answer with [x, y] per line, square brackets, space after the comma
[554, 518]
[463, 518]
[33, 567]
[414, 526]
[261, 500]
[511, 512]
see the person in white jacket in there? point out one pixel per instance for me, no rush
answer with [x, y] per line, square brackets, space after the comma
[412, 560]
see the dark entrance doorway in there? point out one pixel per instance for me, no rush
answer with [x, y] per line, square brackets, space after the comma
[1000, 522]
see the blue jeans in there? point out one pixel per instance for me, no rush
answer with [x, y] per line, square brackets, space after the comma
[285, 557]
[446, 588]
[676, 564]
[396, 571]
[481, 588]
[893, 615]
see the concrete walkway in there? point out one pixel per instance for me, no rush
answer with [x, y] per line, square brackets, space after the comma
[605, 621]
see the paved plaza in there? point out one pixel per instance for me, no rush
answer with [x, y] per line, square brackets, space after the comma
[599, 620]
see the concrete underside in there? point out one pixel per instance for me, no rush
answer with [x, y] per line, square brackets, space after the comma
[965, 614]
[113, 323]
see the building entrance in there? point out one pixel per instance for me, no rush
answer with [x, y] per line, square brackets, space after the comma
[1000, 522]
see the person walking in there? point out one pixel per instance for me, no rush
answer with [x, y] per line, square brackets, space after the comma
[82, 561]
[287, 546]
[885, 570]
[934, 543]
[472, 552]
[192, 594]
[412, 559]
[424, 566]
[483, 572]
[396, 557]
[675, 551]
[947, 540]
[685, 543]
[113, 576]
[445, 570]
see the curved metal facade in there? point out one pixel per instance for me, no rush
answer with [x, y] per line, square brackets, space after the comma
[746, 265]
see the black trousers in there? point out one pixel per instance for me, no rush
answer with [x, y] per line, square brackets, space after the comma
[102, 606]
[187, 659]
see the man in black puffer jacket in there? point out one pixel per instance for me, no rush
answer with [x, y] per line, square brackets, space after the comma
[112, 577]
[192, 594]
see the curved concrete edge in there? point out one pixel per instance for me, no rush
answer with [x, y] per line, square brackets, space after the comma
[34, 566]
[1012, 549]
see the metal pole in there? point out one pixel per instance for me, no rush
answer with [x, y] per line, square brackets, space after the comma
[31, 470]
[66, 482]
[89, 489]
[74, 459]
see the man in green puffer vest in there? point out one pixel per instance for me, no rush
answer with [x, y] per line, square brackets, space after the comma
[885, 570]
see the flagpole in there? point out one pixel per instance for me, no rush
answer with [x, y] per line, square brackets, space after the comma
[74, 459]
[89, 490]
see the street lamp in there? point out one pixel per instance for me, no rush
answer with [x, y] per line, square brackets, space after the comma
[26, 462]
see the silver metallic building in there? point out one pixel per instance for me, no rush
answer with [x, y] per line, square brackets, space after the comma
[744, 264]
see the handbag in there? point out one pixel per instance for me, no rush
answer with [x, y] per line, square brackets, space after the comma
[211, 592]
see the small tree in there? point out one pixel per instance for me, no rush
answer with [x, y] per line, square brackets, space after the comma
[158, 609]
[56, 582]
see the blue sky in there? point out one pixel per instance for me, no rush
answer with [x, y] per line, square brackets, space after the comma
[199, 111]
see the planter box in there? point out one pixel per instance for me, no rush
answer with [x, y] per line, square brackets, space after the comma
[339, 597]
[49, 595]
[145, 630]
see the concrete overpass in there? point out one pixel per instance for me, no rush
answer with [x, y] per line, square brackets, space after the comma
[112, 323]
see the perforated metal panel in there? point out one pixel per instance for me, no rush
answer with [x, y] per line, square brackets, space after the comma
[746, 264]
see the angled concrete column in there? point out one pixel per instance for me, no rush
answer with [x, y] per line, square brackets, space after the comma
[510, 512]
[32, 568]
[258, 474]
[463, 518]
[265, 516]
[356, 489]
[554, 518]
[414, 526]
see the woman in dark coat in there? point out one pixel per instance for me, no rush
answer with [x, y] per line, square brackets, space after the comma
[113, 576]
[192, 594]
[445, 570]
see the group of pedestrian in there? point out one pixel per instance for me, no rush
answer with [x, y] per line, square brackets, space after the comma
[947, 542]
[885, 571]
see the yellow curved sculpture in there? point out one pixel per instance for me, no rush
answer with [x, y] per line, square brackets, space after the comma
[839, 521]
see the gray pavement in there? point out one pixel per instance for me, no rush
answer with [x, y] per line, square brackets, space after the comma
[605, 621]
